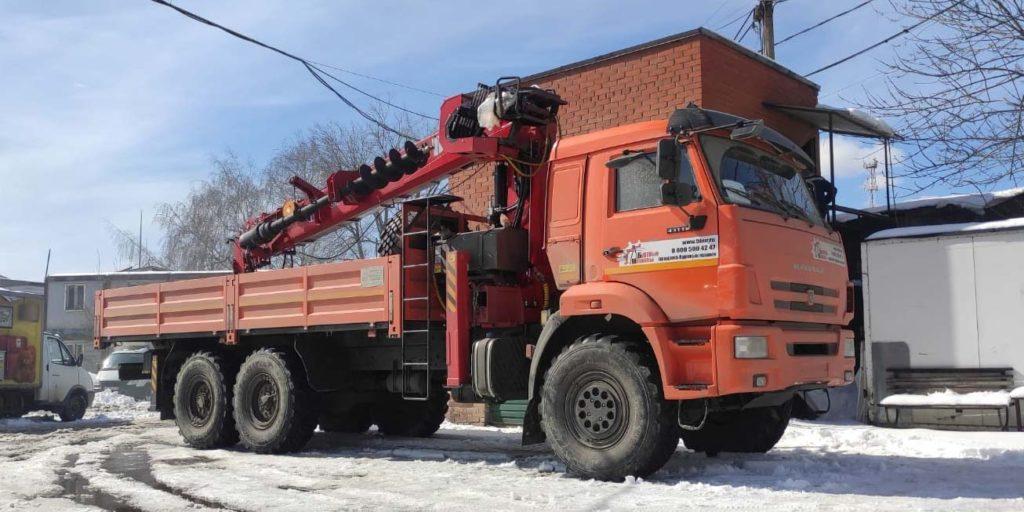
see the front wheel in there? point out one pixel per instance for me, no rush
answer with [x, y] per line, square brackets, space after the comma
[74, 407]
[743, 431]
[603, 412]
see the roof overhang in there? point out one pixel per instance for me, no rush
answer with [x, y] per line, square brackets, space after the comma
[838, 120]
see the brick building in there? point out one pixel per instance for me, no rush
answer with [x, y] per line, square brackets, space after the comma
[649, 81]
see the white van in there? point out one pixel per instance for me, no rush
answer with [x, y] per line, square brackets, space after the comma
[64, 388]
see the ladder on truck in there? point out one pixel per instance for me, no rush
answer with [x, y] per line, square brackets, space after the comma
[419, 333]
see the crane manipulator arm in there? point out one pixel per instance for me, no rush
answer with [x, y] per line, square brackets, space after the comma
[503, 122]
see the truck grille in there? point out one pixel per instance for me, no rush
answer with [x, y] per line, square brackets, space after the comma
[810, 302]
[812, 349]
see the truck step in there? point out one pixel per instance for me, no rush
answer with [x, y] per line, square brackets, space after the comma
[691, 387]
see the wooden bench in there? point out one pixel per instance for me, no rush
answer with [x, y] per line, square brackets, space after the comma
[956, 389]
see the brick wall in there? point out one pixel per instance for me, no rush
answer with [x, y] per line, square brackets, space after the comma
[652, 81]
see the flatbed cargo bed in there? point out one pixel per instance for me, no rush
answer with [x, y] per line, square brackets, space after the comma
[349, 294]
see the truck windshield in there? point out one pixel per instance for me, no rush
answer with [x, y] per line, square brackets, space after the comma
[118, 358]
[750, 177]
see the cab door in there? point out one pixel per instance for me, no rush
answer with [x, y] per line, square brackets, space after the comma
[668, 251]
[60, 370]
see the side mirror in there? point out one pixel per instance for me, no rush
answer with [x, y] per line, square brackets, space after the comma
[824, 192]
[679, 194]
[747, 130]
[78, 359]
[668, 159]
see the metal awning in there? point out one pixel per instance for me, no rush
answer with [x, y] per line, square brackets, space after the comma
[838, 120]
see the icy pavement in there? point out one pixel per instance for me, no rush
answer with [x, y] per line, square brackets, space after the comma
[121, 457]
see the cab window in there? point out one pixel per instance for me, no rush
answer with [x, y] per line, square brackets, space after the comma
[638, 186]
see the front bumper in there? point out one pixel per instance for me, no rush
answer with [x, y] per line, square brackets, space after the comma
[799, 356]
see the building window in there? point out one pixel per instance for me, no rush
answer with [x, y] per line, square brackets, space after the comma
[74, 297]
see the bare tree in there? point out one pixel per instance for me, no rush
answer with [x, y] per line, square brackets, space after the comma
[195, 230]
[956, 93]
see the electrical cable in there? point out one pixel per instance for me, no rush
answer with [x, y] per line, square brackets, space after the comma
[744, 24]
[906, 30]
[378, 79]
[313, 69]
[824, 21]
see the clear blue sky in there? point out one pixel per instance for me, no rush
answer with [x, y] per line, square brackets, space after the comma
[111, 107]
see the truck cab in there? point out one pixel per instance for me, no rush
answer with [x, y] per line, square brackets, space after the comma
[67, 388]
[707, 237]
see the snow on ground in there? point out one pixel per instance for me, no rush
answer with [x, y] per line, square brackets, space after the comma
[121, 457]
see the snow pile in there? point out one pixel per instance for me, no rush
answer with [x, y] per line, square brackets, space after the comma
[950, 398]
[110, 400]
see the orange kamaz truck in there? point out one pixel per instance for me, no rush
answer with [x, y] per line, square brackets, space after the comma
[656, 281]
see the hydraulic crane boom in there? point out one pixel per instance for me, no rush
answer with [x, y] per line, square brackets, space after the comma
[503, 122]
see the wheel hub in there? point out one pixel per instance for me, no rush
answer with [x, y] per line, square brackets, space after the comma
[265, 401]
[597, 410]
[200, 404]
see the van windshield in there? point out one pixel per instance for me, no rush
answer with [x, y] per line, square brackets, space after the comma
[750, 177]
[118, 358]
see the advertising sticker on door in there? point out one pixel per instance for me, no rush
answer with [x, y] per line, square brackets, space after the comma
[642, 256]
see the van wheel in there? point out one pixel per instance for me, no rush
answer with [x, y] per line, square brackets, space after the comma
[202, 402]
[74, 407]
[355, 420]
[411, 418]
[274, 408]
[602, 410]
[743, 431]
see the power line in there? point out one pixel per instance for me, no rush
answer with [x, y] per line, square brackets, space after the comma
[886, 40]
[749, 15]
[378, 79]
[721, 5]
[822, 22]
[734, 20]
[354, 88]
[312, 68]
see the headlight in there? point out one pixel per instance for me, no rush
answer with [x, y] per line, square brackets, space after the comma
[751, 347]
[849, 348]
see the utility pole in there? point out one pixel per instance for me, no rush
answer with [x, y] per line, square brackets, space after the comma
[764, 15]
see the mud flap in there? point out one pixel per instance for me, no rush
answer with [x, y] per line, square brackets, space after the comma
[532, 432]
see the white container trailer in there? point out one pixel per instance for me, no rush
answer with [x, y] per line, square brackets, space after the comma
[946, 296]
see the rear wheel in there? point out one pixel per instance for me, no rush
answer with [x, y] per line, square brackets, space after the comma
[602, 410]
[411, 418]
[274, 409]
[743, 431]
[74, 407]
[202, 402]
[354, 420]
